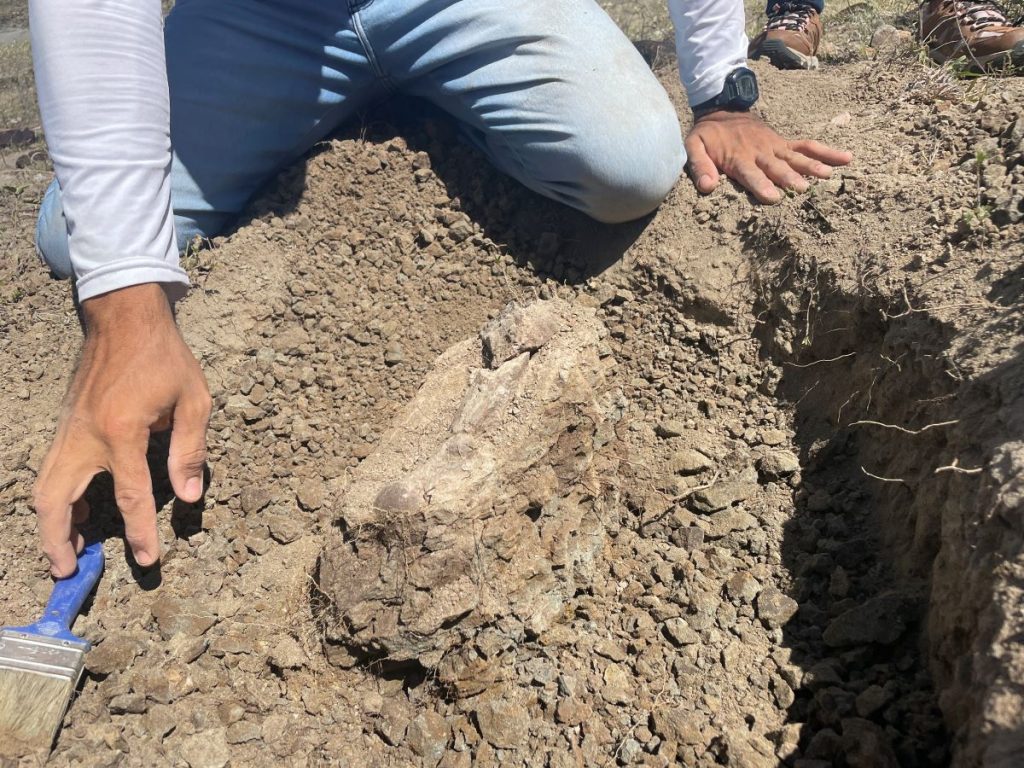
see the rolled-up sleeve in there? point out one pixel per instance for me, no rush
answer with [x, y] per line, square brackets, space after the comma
[102, 81]
[711, 42]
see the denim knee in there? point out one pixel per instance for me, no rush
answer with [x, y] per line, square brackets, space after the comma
[52, 234]
[634, 180]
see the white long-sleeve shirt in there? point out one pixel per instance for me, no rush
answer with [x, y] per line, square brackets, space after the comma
[711, 41]
[102, 83]
[101, 77]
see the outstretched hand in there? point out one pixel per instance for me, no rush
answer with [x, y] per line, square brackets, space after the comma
[744, 148]
[135, 376]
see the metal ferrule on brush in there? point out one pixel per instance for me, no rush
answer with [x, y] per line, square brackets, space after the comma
[50, 656]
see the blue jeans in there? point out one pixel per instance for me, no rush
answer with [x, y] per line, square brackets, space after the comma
[551, 92]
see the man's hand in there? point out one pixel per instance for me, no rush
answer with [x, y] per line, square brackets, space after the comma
[744, 148]
[135, 376]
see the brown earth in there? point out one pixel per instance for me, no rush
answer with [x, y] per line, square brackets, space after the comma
[751, 495]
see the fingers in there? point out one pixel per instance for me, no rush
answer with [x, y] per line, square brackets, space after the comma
[755, 181]
[55, 532]
[702, 168]
[782, 173]
[187, 456]
[58, 509]
[818, 151]
[61, 509]
[804, 165]
[133, 492]
[788, 168]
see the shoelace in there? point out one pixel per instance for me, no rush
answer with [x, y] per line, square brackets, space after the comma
[791, 16]
[977, 16]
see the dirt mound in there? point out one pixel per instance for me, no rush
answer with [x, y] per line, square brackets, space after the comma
[801, 543]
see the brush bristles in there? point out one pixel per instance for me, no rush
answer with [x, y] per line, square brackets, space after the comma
[32, 706]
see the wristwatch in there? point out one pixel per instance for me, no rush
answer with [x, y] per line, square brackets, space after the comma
[738, 95]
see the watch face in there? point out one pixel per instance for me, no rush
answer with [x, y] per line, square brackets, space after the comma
[740, 89]
[746, 88]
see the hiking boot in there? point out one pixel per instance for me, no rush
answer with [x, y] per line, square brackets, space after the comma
[790, 38]
[978, 32]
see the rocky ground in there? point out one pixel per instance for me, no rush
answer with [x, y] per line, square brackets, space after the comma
[494, 485]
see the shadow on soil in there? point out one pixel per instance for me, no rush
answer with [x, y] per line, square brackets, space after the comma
[551, 239]
[888, 556]
[105, 522]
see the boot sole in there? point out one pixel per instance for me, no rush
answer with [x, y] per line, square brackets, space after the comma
[783, 57]
[1013, 58]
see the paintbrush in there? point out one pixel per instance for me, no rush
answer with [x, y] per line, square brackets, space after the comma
[40, 664]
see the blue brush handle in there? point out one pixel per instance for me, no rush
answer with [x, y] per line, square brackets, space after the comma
[68, 595]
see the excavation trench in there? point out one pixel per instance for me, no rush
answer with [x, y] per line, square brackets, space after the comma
[911, 464]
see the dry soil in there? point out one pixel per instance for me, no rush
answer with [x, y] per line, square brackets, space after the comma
[768, 511]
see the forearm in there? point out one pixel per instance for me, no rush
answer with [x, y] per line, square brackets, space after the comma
[126, 310]
[711, 42]
[102, 84]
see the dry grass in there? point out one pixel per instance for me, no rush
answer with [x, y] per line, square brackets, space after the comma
[1014, 9]
[17, 88]
[648, 19]
[641, 19]
[930, 83]
[13, 14]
